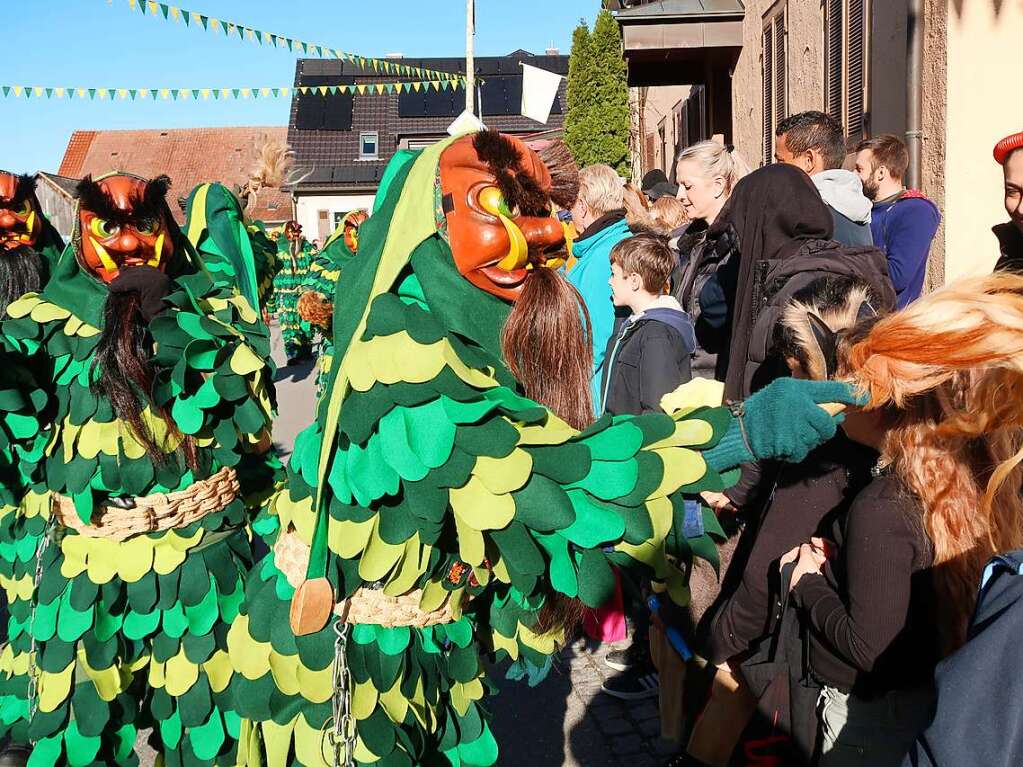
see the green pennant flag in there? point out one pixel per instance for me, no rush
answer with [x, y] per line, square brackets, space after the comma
[49, 93]
[133, 93]
[390, 87]
[174, 93]
[289, 41]
[205, 21]
[7, 91]
[186, 16]
[195, 94]
[241, 32]
[273, 39]
[236, 91]
[333, 90]
[305, 48]
[28, 92]
[216, 94]
[165, 9]
[92, 93]
[276, 92]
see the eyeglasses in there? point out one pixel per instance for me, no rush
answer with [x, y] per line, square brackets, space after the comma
[564, 216]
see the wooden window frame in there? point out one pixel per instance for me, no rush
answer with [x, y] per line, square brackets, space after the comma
[842, 110]
[774, 74]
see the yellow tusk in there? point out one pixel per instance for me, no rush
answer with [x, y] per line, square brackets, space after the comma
[518, 250]
[30, 221]
[155, 260]
[104, 257]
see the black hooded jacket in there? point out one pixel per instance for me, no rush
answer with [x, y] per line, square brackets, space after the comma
[782, 242]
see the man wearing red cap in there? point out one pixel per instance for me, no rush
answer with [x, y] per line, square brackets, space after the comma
[1008, 154]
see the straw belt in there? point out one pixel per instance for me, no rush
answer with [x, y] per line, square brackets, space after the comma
[152, 513]
[372, 606]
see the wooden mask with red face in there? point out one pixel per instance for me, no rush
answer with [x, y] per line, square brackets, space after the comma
[21, 221]
[124, 223]
[496, 199]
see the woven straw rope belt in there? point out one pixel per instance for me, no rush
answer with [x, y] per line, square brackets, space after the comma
[372, 606]
[153, 513]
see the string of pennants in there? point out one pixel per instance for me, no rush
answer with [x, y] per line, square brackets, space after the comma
[205, 94]
[174, 13]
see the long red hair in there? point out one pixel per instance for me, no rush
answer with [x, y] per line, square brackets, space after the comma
[949, 370]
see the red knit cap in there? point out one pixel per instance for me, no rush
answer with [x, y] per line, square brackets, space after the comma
[1007, 146]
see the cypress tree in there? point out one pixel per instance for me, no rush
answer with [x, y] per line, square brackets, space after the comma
[580, 93]
[597, 122]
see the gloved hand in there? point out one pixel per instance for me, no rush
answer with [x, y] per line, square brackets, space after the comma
[150, 283]
[782, 421]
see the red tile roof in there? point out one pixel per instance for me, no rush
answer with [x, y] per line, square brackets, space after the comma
[190, 156]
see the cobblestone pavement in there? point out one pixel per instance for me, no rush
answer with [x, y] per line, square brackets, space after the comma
[566, 720]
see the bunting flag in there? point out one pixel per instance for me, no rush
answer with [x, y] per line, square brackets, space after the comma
[83, 93]
[174, 13]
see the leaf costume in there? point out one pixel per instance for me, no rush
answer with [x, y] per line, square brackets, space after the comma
[231, 247]
[440, 484]
[127, 631]
[323, 278]
[287, 288]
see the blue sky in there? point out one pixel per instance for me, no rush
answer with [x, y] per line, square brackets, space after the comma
[95, 44]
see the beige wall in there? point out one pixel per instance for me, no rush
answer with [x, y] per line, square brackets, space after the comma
[984, 105]
[660, 104]
[805, 64]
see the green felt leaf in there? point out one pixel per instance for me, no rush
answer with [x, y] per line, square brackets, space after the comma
[393, 641]
[207, 739]
[377, 732]
[596, 579]
[481, 752]
[542, 505]
[595, 523]
[139, 625]
[562, 568]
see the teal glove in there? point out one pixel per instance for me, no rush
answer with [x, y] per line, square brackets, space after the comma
[782, 421]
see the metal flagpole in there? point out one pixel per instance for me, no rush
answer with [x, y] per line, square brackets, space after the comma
[470, 73]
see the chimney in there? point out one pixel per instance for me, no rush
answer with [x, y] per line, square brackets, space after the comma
[552, 50]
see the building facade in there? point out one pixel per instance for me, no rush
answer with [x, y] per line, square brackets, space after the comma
[853, 59]
[343, 142]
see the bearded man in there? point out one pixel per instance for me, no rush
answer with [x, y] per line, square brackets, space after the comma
[437, 514]
[157, 406]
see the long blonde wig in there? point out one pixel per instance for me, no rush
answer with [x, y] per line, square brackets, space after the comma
[949, 372]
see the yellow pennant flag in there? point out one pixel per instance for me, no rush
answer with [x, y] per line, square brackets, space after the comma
[380, 88]
[122, 93]
[144, 93]
[225, 93]
[165, 93]
[246, 92]
[264, 92]
[60, 92]
[153, 7]
[214, 24]
[37, 91]
[102, 93]
[81, 93]
[175, 13]
[206, 94]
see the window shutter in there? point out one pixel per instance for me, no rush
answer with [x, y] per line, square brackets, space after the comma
[833, 59]
[768, 79]
[780, 71]
[856, 67]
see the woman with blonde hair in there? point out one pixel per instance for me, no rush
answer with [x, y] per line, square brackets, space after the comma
[707, 173]
[944, 386]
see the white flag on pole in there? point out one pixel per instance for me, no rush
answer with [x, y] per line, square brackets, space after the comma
[539, 88]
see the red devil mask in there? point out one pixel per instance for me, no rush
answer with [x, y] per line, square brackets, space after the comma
[21, 221]
[498, 210]
[124, 223]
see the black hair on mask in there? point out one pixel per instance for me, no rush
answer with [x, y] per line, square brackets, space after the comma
[22, 270]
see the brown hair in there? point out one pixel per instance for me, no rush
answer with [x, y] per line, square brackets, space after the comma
[949, 369]
[887, 150]
[647, 255]
[547, 344]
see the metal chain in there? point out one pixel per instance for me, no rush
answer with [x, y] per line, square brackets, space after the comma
[33, 672]
[342, 736]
